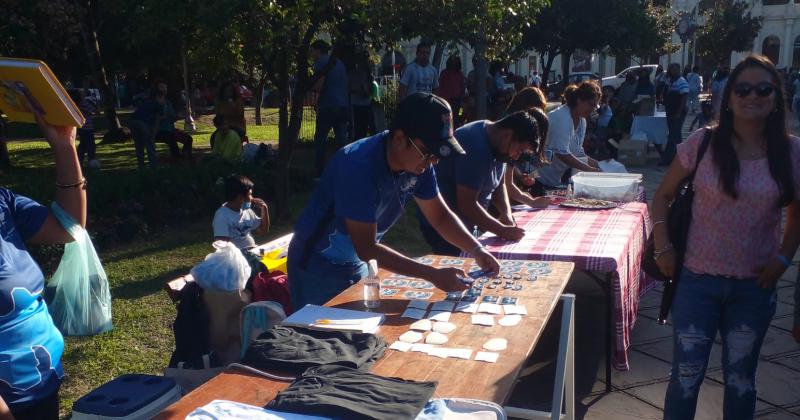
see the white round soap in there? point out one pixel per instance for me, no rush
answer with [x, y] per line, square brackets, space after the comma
[421, 325]
[496, 344]
[410, 337]
[509, 320]
[436, 338]
[444, 327]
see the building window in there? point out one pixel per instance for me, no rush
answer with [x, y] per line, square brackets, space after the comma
[796, 53]
[771, 48]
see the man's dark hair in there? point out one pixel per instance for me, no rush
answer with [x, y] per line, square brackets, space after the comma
[219, 120]
[423, 44]
[321, 45]
[236, 185]
[522, 125]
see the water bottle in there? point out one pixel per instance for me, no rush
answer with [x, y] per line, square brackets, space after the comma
[372, 286]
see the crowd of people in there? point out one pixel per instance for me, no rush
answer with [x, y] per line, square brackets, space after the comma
[463, 180]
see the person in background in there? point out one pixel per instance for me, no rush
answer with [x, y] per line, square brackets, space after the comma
[230, 105]
[226, 142]
[453, 86]
[530, 99]
[695, 81]
[167, 133]
[235, 219]
[796, 329]
[566, 134]
[30, 344]
[472, 182]
[363, 193]
[86, 147]
[704, 117]
[643, 85]
[419, 75]
[734, 254]
[536, 80]
[796, 98]
[360, 84]
[330, 82]
[143, 124]
[675, 96]
[627, 90]
[660, 79]
[718, 84]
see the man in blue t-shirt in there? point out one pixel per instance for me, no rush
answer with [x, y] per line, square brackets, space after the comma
[363, 192]
[330, 81]
[470, 183]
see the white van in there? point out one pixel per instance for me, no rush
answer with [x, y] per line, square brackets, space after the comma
[616, 81]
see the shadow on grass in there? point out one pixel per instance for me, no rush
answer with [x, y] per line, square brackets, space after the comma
[145, 287]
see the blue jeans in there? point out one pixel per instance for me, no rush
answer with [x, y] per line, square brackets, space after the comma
[319, 280]
[142, 134]
[327, 118]
[741, 311]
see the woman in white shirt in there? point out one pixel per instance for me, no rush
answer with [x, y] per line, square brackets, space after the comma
[566, 135]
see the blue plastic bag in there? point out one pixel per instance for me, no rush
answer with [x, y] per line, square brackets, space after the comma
[80, 300]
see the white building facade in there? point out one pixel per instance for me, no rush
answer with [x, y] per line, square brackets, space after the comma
[779, 39]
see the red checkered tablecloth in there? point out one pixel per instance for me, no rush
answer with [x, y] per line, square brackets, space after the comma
[595, 240]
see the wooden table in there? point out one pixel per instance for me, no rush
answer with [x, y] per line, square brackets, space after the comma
[457, 378]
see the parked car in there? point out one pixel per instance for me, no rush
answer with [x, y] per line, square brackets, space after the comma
[247, 95]
[615, 81]
[555, 89]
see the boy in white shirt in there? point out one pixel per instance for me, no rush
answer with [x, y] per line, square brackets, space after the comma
[235, 219]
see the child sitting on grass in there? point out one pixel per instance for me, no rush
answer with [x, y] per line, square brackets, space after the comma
[225, 142]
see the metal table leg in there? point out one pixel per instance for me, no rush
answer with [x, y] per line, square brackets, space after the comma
[564, 387]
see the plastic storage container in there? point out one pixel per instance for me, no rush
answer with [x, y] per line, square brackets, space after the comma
[611, 187]
[129, 397]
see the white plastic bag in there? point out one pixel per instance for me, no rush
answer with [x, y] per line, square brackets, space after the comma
[226, 269]
[79, 297]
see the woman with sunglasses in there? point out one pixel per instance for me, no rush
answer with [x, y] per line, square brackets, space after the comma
[735, 254]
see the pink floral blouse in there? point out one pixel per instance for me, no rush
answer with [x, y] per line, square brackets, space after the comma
[728, 237]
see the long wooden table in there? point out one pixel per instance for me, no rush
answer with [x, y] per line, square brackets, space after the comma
[456, 377]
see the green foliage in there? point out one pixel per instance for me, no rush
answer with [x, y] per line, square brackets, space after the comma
[729, 27]
[641, 30]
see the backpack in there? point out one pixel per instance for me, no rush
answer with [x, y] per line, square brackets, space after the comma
[192, 345]
[273, 287]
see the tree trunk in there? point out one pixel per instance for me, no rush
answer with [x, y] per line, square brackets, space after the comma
[547, 66]
[260, 98]
[481, 72]
[437, 56]
[92, 46]
[565, 70]
[289, 125]
[284, 143]
[188, 121]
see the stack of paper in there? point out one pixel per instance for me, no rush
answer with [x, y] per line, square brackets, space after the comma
[324, 318]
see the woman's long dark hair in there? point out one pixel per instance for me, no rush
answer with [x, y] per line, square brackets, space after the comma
[778, 146]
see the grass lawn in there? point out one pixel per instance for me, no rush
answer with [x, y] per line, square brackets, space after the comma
[142, 341]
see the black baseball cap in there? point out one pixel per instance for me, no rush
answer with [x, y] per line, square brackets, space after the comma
[429, 118]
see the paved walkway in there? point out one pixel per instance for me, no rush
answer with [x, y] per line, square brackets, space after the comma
[639, 393]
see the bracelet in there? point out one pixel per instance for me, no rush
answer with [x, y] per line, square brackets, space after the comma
[658, 253]
[658, 223]
[478, 247]
[785, 261]
[81, 183]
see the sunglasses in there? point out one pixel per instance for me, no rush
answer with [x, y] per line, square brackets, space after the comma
[423, 156]
[762, 89]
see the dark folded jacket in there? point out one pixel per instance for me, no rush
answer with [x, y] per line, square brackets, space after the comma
[294, 350]
[340, 392]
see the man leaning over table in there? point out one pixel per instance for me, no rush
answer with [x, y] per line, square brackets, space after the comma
[470, 183]
[363, 192]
